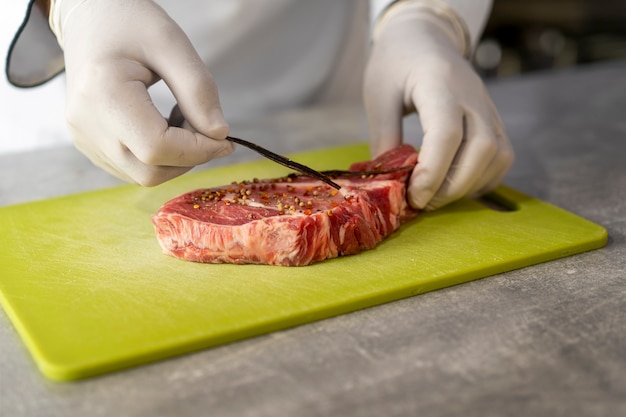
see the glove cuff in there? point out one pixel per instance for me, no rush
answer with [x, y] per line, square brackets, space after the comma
[453, 24]
[59, 16]
[54, 20]
[34, 57]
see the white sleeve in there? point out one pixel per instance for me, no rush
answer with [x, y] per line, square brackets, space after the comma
[34, 56]
[474, 13]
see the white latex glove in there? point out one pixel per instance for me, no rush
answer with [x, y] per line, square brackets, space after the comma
[417, 63]
[114, 50]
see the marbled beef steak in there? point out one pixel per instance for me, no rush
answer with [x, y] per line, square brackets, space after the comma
[294, 220]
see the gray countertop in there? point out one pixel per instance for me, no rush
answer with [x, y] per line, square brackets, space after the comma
[547, 340]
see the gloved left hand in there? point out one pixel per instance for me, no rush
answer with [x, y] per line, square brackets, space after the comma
[417, 63]
[115, 50]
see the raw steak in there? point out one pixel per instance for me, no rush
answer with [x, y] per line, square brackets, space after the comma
[293, 221]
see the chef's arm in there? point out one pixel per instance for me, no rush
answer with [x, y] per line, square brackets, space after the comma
[419, 62]
[473, 13]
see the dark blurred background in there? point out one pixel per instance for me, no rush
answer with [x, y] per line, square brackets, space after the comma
[522, 36]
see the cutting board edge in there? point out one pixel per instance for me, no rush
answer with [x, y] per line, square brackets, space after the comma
[65, 373]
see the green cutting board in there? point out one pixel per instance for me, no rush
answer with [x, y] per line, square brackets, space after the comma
[85, 284]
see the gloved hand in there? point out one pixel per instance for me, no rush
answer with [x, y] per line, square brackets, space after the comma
[417, 63]
[114, 50]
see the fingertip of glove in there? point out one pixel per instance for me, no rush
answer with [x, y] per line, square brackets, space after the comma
[418, 198]
[212, 124]
[226, 149]
[218, 127]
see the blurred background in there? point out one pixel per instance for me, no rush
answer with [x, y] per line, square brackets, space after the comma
[521, 37]
[531, 35]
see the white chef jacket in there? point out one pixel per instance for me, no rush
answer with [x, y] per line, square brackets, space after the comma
[265, 55]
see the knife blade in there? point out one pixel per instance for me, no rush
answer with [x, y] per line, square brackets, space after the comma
[287, 162]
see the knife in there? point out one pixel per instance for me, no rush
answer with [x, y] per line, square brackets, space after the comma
[296, 166]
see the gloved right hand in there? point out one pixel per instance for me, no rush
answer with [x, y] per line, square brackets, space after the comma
[114, 50]
[417, 64]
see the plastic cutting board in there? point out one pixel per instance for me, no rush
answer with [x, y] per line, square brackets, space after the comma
[85, 284]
